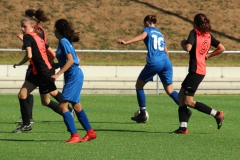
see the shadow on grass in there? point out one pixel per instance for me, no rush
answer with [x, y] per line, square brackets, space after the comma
[29, 140]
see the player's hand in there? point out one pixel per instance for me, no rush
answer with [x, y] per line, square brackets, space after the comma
[54, 77]
[14, 66]
[120, 41]
[207, 56]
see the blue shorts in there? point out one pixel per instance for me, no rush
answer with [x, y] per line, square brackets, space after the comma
[162, 68]
[73, 86]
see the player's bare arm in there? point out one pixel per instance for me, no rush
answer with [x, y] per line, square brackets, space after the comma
[135, 39]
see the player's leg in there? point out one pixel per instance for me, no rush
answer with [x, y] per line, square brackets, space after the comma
[26, 89]
[46, 85]
[30, 101]
[166, 76]
[69, 122]
[83, 119]
[58, 96]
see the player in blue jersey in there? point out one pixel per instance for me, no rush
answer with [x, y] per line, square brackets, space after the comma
[158, 62]
[73, 81]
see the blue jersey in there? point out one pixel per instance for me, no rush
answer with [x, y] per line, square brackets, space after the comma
[155, 44]
[64, 48]
[73, 77]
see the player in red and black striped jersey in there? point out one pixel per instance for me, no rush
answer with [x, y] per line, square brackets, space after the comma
[41, 17]
[36, 52]
[198, 45]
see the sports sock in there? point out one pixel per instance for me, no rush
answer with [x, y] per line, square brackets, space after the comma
[54, 106]
[30, 102]
[82, 118]
[69, 121]
[141, 100]
[183, 117]
[24, 111]
[58, 98]
[174, 96]
[202, 108]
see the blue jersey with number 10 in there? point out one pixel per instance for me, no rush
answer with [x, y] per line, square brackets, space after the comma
[155, 44]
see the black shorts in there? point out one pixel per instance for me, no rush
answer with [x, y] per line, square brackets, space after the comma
[45, 84]
[191, 83]
[30, 77]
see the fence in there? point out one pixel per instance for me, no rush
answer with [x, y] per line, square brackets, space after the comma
[113, 51]
[121, 51]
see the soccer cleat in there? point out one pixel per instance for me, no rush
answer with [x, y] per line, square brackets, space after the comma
[89, 137]
[20, 122]
[74, 139]
[220, 119]
[23, 128]
[179, 131]
[140, 118]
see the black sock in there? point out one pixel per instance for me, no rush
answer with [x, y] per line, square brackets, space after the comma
[58, 98]
[182, 113]
[202, 108]
[24, 111]
[30, 101]
[54, 106]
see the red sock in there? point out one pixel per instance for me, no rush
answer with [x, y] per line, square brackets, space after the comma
[90, 131]
[75, 135]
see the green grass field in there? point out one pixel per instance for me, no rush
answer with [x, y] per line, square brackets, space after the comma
[118, 136]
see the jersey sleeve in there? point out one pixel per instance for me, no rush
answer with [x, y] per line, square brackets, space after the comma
[214, 42]
[65, 47]
[145, 30]
[27, 41]
[192, 37]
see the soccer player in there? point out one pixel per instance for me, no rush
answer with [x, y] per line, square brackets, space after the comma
[36, 52]
[40, 16]
[73, 81]
[158, 62]
[198, 45]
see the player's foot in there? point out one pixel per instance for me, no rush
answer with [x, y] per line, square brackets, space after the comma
[23, 128]
[74, 139]
[20, 122]
[89, 137]
[140, 118]
[180, 131]
[220, 119]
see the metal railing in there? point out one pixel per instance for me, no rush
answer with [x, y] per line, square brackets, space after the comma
[112, 51]
[118, 51]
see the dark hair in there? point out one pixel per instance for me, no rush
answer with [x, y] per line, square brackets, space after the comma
[151, 19]
[202, 23]
[65, 28]
[38, 14]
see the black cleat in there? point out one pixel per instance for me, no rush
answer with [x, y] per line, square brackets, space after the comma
[179, 131]
[220, 119]
[140, 118]
[23, 128]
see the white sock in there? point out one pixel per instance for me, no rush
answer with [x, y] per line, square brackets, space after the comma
[213, 112]
[183, 124]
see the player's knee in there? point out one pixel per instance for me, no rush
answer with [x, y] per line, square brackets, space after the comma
[22, 96]
[189, 103]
